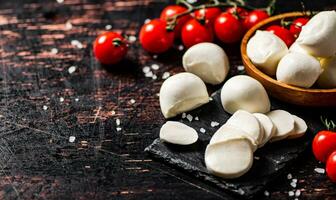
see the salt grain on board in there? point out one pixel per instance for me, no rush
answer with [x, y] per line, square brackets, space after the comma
[59, 1]
[54, 51]
[72, 139]
[77, 44]
[45, 107]
[196, 118]
[298, 193]
[76, 99]
[290, 193]
[154, 77]
[131, 38]
[319, 170]
[189, 117]
[61, 99]
[132, 101]
[146, 69]
[118, 122]
[155, 66]
[266, 193]
[214, 124]
[184, 115]
[72, 69]
[180, 47]
[289, 176]
[165, 75]
[202, 130]
[241, 68]
[68, 25]
[118, 129]
[108, 27]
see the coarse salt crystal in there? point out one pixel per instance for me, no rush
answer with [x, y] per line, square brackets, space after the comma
[149, 74]
[256, 157]
[290, 193]
[68, 25]
[155, 66]
[108, 27]
[298, 193]
[118, 129]
[202, 130]
[180, 47]
[266, 193]
[72, 69]
[132, 101]
[45, 107]
[77, 44]
[146, 21]
[165, 75]
[196, 118]
[113, 112]
[293, 184]
[60, 1]
[118, 122]
[131, 38]
[76, 99]
[289, 176]
[72, 139]
[214, 124]
[145, 69]
[54, 51]
[241, 68]
[184, 115]
[190, 117]
[154, 77]
[61, 99]
[320, 170]
[155, 56]
[294, 180]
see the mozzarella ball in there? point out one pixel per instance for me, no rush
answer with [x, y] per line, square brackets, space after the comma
[181, 93]
[328, 77]
[265, 51]
[318, 35]
[178, 133]
[244, 93]
[208, 61]
[298, 69]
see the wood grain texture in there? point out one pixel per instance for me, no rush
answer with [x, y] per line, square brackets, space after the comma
[42, 105]
[292, 94]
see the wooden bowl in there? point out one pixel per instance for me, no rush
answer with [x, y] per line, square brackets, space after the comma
[291, 94]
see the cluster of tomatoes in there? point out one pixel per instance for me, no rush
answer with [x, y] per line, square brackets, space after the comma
[324, 149]
[202, 25]
[289, 35]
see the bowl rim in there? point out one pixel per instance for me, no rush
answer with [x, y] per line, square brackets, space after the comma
[255, 70]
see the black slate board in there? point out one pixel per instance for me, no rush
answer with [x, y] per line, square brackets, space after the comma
[269, 162]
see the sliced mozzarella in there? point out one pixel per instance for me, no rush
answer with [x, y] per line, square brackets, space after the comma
[248, 123]
[284, 123]
[300, 128]
[244, 93]
[178, 133]
[268, 126]
[328, 77]
[230, 158]
[227, 132]
[298, 69]
[181, 93]
[208, 61]
[265, 50]
[318, 35]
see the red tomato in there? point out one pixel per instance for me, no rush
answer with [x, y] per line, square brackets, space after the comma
[254, 18]
[240, 12]
[296, 26]
[109, 48]
[228, 28]
[193, 32]
[155, 38]
[282, 33]
[207, 14]
[324, 144]
[172, 10]
[331, 167]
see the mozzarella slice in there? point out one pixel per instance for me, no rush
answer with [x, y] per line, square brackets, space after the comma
[248, 123]
[298, 69]
[300, 128]
[178, 133]
[181, 93]
[227, 132]
[284, 123]
[229, 159]
[328, 77]
[244, 93]
[208, 61]
[268, 127]
[265, 51]
[318, 35]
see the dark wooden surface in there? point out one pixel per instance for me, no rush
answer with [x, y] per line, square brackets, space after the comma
[36, 158]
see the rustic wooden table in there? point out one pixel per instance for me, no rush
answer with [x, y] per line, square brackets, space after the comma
[60, 110]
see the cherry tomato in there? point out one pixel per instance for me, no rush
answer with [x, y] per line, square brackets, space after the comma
[155, 38]
[193, 32]
[282, 33]
[296, 26]
[238, 11]
[207, 14]
[254, 18]
[228, 28]
[331, 167]
[324, 144]
[109, 48]
[172, 10]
